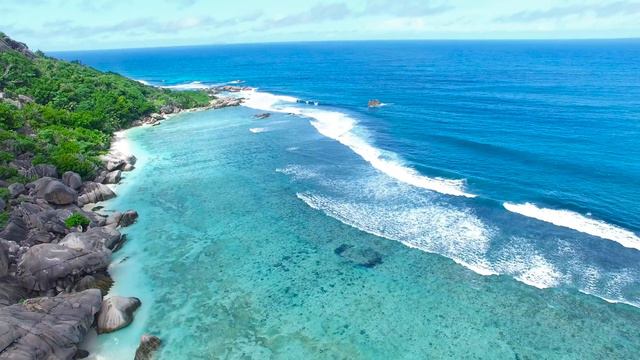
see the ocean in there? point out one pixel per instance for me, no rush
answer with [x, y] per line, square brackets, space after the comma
[489, 209]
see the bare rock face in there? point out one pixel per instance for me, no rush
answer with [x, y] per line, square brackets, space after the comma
[15, 190]
[94, 192]
[59, 194]
[128, 218]
[11, 292]
[116, 313]
[42, 170]
[48, 266]
[4, 259]
[53, 191]
[48, 327]
[101, 281]
[113, 177]
[7, 43]
[95, 239]
[149, 344]
[72, 180]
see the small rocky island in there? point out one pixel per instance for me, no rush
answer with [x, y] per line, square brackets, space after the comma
[55, 243]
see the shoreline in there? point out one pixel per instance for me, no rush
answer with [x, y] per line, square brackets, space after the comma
[57, 268]
[122, 147]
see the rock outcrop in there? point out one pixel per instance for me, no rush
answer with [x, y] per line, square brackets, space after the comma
[116, 313]
[374, 103]
[55, 192]
[7, 44]
[93, 192]
[49, 327]
[53, 266]
[96, 239]
[72, 180]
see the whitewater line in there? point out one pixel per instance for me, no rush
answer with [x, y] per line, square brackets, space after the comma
[578, 222]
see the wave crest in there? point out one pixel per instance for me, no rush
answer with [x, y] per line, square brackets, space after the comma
[578, 222]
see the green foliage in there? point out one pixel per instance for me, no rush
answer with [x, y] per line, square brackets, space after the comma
[76, 110]
[4, 194]
[7, 172]
[76, 219]
[6, 156]
[4, 219]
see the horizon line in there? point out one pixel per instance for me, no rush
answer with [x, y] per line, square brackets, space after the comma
[347, 41]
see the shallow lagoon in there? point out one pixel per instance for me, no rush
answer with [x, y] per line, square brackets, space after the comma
[230, 263]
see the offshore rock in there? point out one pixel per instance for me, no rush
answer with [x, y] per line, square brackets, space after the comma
[116, 313]
[149, 344]
[128, 218]
[48, 327]
[262, 116]
[48, 266]
[374, 103]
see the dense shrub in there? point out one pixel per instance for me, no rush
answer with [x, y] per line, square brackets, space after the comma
[76, 219]
[75, 111]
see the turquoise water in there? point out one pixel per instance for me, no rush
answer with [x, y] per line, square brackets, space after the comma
[509, 157]
[230, 261]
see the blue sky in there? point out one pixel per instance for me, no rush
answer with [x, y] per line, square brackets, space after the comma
[99, 24]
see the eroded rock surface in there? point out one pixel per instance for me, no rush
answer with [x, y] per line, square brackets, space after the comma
[48, 327]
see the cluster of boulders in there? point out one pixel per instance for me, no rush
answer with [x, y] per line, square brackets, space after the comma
[52, 277]
[227, 89]
[156, 118]
[223, 102]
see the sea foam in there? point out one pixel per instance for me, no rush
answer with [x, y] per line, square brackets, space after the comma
[342, 128]
[578, 222]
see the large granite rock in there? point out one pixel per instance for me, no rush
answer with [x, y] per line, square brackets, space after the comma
[42, 170]
[48, 266]
[96, 239]
[55, 192]
[94, 192]
[4, 259]
[101, 281]
[15, 190]
[107, 177]
[47, 328]
[116, 313]
[149, 344]
[72, 180]
[11, 292]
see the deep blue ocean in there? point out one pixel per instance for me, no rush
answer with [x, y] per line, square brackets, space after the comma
[515, 158]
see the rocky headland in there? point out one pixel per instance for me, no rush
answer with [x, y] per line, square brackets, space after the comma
[56, 244]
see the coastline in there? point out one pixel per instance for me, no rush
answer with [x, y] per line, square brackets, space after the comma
[123, 147]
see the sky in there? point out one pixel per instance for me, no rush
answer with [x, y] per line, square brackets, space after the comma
[51, 25]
